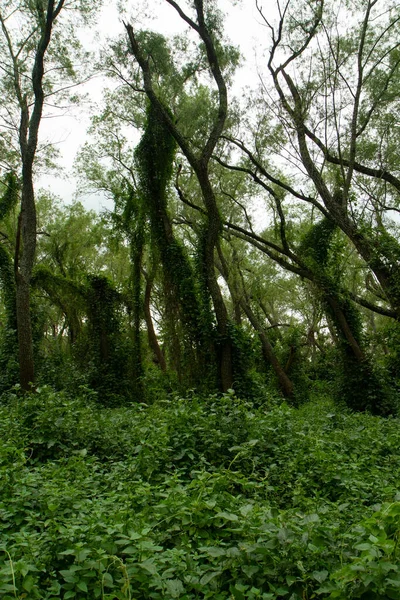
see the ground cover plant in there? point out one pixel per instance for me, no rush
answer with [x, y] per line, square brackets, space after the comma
[196, 498]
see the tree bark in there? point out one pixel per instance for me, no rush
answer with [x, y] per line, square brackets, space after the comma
[284, 382]
[28, 140]
[24, 330]
[152, 337]
[24, 264]
[200, 162]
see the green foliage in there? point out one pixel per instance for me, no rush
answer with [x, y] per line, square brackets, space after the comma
[8, 338]
[361, 383]
[8, 341]
[133, 224]
[62, 290]
[290, 350]
[9, 199]
[155, 46]
[103, 350]
[193, 498]
[314, 247]
[244, 357]
[154, 157]
[387, 249]
[390, 337]
[7, 282]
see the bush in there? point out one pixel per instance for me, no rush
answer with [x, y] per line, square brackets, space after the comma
[196, 498]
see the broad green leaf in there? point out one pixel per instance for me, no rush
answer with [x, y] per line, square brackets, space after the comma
[174, 587]
[227, 516]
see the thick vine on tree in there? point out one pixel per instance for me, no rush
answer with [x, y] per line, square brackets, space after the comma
[9, 349]
[154, 159]
[199, 160]
[361, 387]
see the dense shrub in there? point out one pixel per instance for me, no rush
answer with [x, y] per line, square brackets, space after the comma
[193, 498]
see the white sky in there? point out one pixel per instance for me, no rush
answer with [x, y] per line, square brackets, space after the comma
[68, 132]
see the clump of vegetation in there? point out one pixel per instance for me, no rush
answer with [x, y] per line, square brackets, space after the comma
[196, 498]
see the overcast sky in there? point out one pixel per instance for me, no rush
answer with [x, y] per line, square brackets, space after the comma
[68, 132]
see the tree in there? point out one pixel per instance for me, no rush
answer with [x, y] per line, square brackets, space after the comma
[8, 355]
[29, 61]
[336, 78]
[280, 149]
[206, 26]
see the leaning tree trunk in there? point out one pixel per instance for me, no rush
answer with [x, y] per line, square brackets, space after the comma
[268, 352]
[211, 241]
[242, 300]
[158, 354]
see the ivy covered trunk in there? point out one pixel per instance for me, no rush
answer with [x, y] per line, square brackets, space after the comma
[23, 272]
[24, 328]
[154, 158]
[211, 238]
[199, 159]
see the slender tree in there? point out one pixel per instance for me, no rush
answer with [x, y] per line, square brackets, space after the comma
[26, 48]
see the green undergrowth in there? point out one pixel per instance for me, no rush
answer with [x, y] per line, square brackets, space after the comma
[191, 498]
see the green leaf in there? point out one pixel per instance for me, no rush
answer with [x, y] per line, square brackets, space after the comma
[209, 576]
[327, 588]
[250, 570]
[130, 550]
[393, 510]
[82, 586]
[69, 576]
[313, 518]
[28, 583]
[213, 550]
[82, 554]
[149, 566]
[320, 576]
[246, 509]
[108, 580]
[174, 587]
[133, 535]
[227, 516]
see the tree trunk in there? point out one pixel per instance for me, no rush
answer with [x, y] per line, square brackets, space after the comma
[344, 327]
[26, 237]
[152, 337]
[28, 141]
[285, 383]
[211, 239]
[199, 162]
[24, 329]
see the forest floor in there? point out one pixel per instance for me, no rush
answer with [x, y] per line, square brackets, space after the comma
[197, 498]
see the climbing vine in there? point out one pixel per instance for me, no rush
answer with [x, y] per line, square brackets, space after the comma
[154, 159]
[361, 385]
[9, 343]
